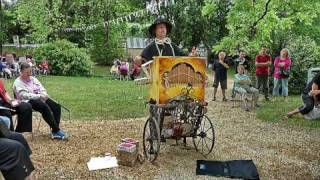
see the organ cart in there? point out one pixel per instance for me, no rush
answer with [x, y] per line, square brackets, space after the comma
[177, 105]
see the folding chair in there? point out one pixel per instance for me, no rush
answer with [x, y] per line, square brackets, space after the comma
[39, 115]
[239, 99]
[38, 118]
[64, 107]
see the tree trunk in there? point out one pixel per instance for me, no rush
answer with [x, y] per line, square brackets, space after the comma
[106, 26]
[50, 21]
[1, 49]
[106, 32]
[1, 27]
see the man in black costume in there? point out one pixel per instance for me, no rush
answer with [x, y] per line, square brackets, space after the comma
[162, 45]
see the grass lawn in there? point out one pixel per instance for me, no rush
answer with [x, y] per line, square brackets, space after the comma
[276, 111]
[18, 51]
[101, 70]
[96, 98]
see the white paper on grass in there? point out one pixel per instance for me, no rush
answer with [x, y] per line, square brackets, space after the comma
[96, 163]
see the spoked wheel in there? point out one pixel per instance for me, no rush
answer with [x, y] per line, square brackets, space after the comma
[151, 139]
[204, 139]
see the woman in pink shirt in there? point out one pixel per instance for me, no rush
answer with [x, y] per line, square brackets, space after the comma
[281, 73]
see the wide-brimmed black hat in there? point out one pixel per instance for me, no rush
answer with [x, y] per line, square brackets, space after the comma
[159, 21]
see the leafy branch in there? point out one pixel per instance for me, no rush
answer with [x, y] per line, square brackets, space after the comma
[254, 25]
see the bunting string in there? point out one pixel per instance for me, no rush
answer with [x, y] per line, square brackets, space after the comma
[152, 7]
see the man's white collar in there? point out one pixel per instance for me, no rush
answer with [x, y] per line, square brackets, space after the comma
[163, 41]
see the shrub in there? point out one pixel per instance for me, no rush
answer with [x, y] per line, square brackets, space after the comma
[304, 54]
[65, 58]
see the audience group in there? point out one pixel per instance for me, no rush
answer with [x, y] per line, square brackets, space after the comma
[123, 70]
[263, 67]
[28, 95]
[10, 65]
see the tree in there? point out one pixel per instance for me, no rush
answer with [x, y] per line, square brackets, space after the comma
[276, 24]
[4, 22]
[49, 19]
[267, 22]
[198, 21]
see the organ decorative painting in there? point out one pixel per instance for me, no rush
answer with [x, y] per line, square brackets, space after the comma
[181, 74]
[169, 75]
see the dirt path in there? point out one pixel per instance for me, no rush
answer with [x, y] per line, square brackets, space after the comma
[279, 152]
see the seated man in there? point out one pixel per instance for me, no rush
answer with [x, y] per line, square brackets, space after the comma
[15, 163]
[242, 85]
[28, 89]
[310, 95]
[6, 71]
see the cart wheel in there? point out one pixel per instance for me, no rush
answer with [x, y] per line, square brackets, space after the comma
[151, 139]
[204, 139]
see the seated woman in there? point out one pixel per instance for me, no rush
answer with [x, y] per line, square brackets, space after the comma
[136, 67]
[310, 96]
[114, 71]
[22, 109]
[44, 67]
[28, 89]
[242, 85]
[124, 68]
[15, 163]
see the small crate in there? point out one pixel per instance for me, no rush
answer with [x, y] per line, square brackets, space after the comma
[128, 156]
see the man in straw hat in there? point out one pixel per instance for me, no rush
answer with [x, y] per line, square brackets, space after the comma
[162, 45]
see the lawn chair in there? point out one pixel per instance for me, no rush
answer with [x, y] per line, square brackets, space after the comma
[38, 118]
[240, 101]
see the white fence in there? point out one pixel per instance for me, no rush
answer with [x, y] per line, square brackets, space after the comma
[21, 45]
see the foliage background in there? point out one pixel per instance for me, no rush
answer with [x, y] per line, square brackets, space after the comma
[217, 24]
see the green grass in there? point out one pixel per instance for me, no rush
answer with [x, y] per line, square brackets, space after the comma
[96, 98]
[101, 70]
[18, 51]
[276, 111]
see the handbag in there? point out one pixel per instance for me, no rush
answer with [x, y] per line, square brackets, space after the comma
[284, 72]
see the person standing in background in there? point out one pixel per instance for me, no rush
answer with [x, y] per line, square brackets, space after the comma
[263, 63]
